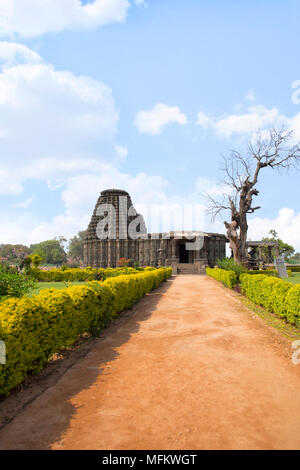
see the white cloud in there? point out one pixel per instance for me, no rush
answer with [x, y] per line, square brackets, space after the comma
[210, 187]
[250, 96]
[79, 194]
[30, 18]
[244, 123]
[203, 120]
[153, 121]
[286, 224]
[79, 197]
[9, 183]
[11, 53]
[51, 122]
[24, 204]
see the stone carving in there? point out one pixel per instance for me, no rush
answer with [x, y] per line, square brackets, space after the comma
[160, 249]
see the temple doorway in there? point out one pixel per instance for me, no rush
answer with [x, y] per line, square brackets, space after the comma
[183, 254]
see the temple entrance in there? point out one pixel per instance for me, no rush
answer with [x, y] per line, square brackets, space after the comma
[183, 254]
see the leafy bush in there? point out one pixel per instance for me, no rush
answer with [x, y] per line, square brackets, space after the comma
[293, 305]
[230, 265]
[266, 272]
[65, 274]
[35, 328]
[295, 269]
[228, 278]
[274, 294]
[14, 284]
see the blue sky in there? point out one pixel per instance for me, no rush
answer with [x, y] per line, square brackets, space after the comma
[91, 99]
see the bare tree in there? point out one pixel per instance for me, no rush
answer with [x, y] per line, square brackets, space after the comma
[273, 149]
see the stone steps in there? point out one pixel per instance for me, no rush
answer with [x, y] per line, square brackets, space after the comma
[186, 268]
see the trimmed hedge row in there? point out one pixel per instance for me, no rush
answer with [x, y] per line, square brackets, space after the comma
[295, 269]
[274, 294]
[87, 274]
[35, 328]
[267, 272]
[228, 278]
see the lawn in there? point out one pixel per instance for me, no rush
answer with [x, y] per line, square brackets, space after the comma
[55, 285]
[294, 278]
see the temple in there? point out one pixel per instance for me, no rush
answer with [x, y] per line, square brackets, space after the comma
[121, 233]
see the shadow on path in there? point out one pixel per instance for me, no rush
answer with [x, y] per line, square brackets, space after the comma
[45, 419]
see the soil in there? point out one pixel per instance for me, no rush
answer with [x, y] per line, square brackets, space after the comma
[189, 367]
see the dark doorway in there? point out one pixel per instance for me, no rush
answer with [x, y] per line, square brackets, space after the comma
[183, 254]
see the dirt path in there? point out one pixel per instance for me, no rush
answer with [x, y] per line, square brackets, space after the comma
[192, 368]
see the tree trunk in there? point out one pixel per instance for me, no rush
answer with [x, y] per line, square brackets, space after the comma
[234, 240]
[243, 238]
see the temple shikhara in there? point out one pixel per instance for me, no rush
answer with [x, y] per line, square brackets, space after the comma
[188, 251]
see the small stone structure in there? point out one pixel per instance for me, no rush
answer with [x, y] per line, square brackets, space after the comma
[256, 260]
[159, 249]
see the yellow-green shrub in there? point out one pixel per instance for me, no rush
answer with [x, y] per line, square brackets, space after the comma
[86, 274]
[274, 294]
[34, 328]
[293, 305]
[228, 278]
[68, 275]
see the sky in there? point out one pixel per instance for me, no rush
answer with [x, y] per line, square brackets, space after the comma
[144, 96]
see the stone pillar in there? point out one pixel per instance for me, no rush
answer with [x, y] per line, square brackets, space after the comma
[102, 254]
[96, 255]
[147, 252]
[153, 252]
[200, 260]
[141, 251]
[174, 260]
[109, 254]
[125, 252]
[118, 252]
[162, 253]
[85, 254]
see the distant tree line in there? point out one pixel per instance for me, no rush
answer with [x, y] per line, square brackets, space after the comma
[59, 251]
[56, 252]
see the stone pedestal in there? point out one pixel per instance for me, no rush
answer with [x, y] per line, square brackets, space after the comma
[200, 265]
[174, 266]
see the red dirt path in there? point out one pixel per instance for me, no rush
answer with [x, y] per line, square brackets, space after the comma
[191, 368]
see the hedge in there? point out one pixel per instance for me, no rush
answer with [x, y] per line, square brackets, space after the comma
[266, 272]
[228, 278]
[33, 329]
[86, 274]
[294, 269]
[274, 294]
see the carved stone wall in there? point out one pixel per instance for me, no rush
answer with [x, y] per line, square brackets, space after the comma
[149, 250]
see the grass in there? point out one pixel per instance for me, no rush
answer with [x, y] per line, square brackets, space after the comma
[55, 285]
[285, 328]
[294, 278]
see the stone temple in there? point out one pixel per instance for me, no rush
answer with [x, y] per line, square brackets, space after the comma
[186, 252]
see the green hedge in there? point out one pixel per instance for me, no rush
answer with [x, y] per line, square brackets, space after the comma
[295, 269]
[267, 272]
[274, 294]
[86, 274]
[228, 278]
[35, 328]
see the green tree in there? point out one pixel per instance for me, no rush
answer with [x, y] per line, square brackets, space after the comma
[284, 248]
[295, 259]
[75, 247]
[13, 254]
[52, 251]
